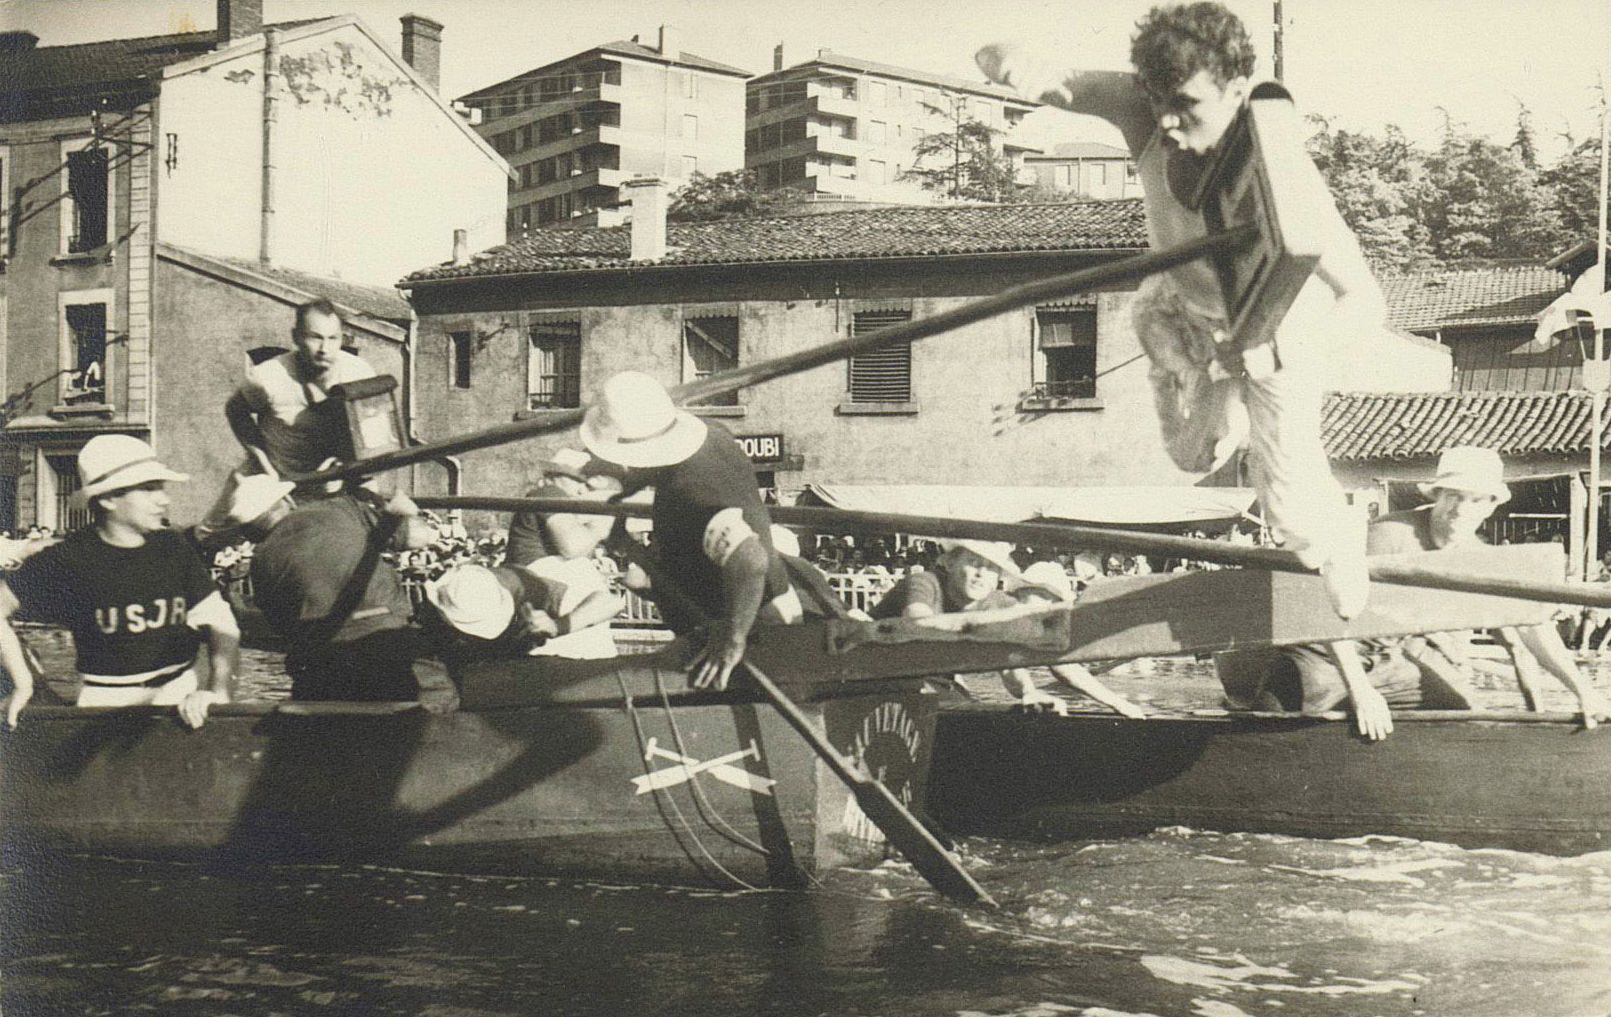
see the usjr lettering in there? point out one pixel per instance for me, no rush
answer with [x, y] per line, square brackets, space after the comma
[135, 618]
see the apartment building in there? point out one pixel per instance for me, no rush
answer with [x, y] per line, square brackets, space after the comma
[576, 128]
[843, 126]
[1089, 169]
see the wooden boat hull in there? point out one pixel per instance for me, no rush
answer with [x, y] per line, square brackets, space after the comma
[551, 787]
[1527, 782]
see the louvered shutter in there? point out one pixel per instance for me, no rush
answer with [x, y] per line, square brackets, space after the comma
[883, 375]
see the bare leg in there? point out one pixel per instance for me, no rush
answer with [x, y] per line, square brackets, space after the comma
[1545, 644]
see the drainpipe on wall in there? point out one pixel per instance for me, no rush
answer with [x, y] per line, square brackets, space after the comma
[271, 98]
[455, 470]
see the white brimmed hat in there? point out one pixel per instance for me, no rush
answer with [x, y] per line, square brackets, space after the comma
[1051, 577]
[253, 495]
[994, 552]
[112, 462]
[472, 600]
[635, 423]
[1472, 469]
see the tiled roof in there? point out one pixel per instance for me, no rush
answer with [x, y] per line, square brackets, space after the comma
[897, 232]
[1471, 296]
[86, 65]
[828, 59]
[1381, 425]
[376, 301]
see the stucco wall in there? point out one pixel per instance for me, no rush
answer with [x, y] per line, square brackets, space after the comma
[201, 355]
[371, 175]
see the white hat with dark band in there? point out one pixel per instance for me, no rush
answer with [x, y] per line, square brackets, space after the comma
[116, 462]
[634, 423]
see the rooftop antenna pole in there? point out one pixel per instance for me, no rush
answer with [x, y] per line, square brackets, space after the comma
[1597, 379]
[1280, 30]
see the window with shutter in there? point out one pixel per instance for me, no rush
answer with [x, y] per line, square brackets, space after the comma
[710, 346]
[1066, 363]
[882, 375]
[87, 189]
[554, 374]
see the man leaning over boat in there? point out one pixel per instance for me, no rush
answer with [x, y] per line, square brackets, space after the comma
[712, 533]
[1430, 671]
[135, 595]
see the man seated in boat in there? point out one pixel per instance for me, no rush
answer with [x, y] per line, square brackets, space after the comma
[1429, 671]
[559, 547]
[716, 567]
[1193, 66]
[319, 577]
[135, 595]
[507, 611]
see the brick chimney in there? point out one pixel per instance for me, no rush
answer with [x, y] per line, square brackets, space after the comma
[670, 44]
[648, 198]
[777, 57]
[422, 48]
[238, 19]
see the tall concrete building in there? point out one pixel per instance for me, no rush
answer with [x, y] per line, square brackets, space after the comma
[849, 127]
[576, 128]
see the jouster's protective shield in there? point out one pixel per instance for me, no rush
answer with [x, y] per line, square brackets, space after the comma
[1260, 176]
[372, 424]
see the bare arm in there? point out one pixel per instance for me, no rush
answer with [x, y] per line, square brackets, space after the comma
[743, 586]
[1115, 96]
[1545, 644]
[1087, 684]
[1371, 713]
[595, 609]
[13, 658]
[575, 535]
[214, 616]
[243, 423]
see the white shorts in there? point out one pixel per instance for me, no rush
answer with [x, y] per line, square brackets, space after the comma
[169, 693]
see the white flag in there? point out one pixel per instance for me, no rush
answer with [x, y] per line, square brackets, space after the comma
[1586, 298]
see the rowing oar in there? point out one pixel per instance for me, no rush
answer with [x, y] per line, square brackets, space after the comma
[833, 520]
[742, 377]
[902, 829]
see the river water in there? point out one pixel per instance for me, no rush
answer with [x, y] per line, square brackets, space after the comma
[1178, 922]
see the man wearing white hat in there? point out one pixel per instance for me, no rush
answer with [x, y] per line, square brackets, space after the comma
[505, 610]
[966, 578]
[1431, 671]
[134, 593]
[712, 533]
[569, 473]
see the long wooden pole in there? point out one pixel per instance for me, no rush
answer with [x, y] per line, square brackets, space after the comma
[1052, 288]
[902, 829]
[832, 520]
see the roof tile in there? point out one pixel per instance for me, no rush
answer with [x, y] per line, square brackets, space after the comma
[1514, 295]
[1385, 425]
[897, 232]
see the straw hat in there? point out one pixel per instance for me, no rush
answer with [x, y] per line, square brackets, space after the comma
[113, 462]
[998, 554]
[1050, 577]
[1470, 469]
[472, 600]
[635, 423]
[253, 495]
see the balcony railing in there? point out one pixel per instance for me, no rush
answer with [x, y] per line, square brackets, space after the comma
[1078, 388]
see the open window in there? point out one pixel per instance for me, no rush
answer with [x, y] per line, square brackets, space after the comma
[1065, 352]
[554, 367]
[87, 196]
[710, 346]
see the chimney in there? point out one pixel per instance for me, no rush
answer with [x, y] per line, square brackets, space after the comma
[647, 195]
[670, 45]
[422, 48]
[12, 43]
[461, 247]
[777, 57]
[238, 19]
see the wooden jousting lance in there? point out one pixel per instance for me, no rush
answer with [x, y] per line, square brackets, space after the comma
[1233, 239]
[833, 520]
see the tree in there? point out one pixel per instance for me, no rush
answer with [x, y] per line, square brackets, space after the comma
[1376, 183]
[1574, 184]
[729, 195]
[965, 163]
[1482, 201]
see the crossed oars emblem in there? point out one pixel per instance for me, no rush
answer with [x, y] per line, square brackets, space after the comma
[688, 767]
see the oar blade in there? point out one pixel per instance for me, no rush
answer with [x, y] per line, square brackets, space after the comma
[916, 844]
